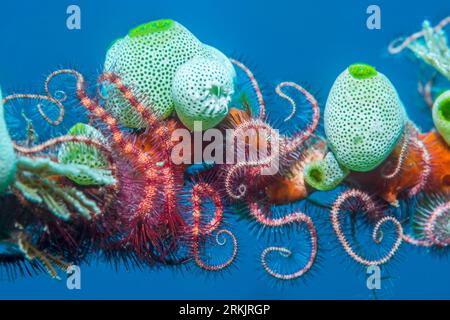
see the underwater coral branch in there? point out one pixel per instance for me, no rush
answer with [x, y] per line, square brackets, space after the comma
[433, 50]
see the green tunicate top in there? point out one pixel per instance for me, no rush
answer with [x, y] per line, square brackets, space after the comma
[362, 71]
[151, 27]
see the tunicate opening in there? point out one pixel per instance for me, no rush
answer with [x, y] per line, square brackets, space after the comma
[216, 90]
[444, 109]
[316, 175]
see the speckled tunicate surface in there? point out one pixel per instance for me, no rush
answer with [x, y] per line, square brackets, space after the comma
[219, 56]
[202, 90]
[364, 120]
[147, 60]
[325, 174]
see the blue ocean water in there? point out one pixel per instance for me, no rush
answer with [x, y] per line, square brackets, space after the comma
[306, 41]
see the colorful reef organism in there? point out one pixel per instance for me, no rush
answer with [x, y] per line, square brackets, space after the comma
[113, 187]
[364, 120]
[202, 90]
[441, 115]
[39, 195]
[167, 65]
[430, 45]
[431, 221]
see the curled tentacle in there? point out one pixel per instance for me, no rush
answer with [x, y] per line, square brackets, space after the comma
[223, 265]
[416, 242]
[376, 235]
[299, 139]
[401, 157]
[60, 140]
[296, 217]
[51, 99]
[262, 106]
[205, 190]
[426, 91]
[425, 171]
[57, 101]
[257, 156]
[229, 186]
[280, 92]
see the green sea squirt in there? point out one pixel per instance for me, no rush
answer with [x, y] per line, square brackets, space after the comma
[441, 115]
[364, 120]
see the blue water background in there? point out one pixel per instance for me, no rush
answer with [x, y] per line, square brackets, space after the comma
[306, 41]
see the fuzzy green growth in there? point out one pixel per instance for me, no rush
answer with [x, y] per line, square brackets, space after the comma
[362, 71]
[82, 154]
[151, 27]
[80, 129]
[326, 174]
